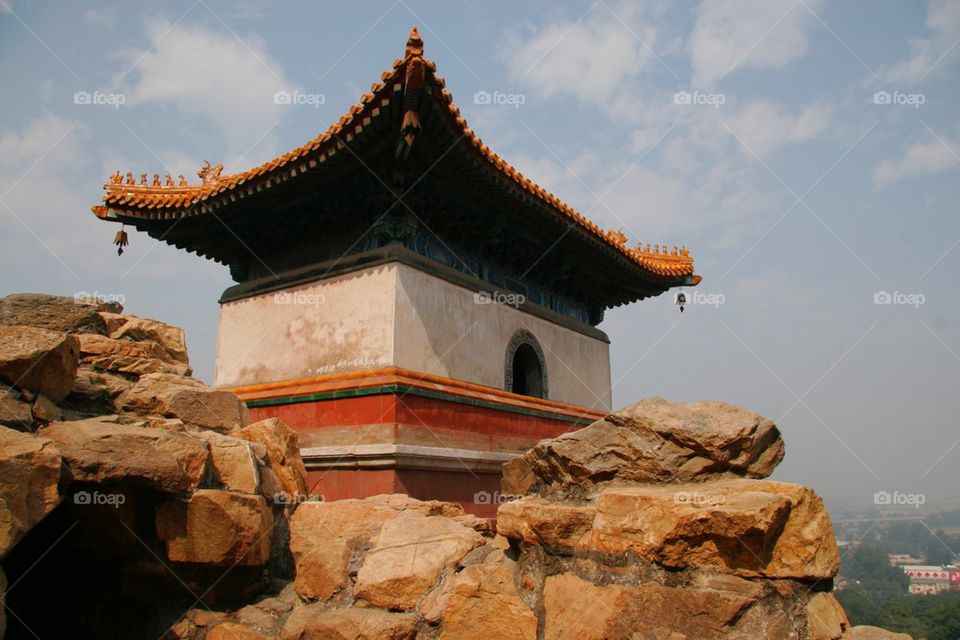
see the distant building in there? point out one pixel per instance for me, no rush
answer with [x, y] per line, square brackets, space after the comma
[931, 580]
[902, 559]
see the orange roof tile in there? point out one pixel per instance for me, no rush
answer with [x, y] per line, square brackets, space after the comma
[130, 197]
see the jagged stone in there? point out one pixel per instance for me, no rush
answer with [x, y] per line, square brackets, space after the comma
[217, 527]
[170, 338]
[123, 356]
[44, 410]
[234, 631]
[826, 619]
[40, 360]
[283, 452]
[315, 622]
[751, 528]
[653, 441]
[101, 450]
[56, 313]
[14, 412]
[233, 462]
[29, 473]
[192, 401]
[866, 632]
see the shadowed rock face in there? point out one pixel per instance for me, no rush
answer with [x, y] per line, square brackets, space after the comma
[56, 313]
[653, 441]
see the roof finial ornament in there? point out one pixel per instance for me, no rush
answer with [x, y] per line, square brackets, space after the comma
[414, 43]
[208, 174]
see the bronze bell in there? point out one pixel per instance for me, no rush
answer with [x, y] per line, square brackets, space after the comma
[121, 241]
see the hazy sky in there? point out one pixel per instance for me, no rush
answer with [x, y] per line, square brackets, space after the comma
[806, 152]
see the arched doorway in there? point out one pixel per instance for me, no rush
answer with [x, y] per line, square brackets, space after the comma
[525, 370]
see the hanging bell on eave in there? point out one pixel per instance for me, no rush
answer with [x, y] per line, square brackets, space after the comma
[681, 300]
[121, 241]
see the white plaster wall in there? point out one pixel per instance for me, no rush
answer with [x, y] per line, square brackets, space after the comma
[343, 323]
[440, 329]
[395, 315]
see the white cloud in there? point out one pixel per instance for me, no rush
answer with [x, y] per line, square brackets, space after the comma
[211, 75]
[734, 35]
[918, 159]
[764, 126]
[943, 31]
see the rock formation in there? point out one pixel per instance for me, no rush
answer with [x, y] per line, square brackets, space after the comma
[137, 502]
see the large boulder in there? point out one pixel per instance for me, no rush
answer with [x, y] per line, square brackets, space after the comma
[170, 338]
[316, 622]
[217, 527]
[578, 608]
[283, 452]
[749, 528]
[101, 450]
[653, 441]
[38, 359]
[866, 632]
[411, 552]
[324, 536]
[56, 313]
[190, 400]
[123, 356]
[29, 473]
[233, 462]
[826, 619]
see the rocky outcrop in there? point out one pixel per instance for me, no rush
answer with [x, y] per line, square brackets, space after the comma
[56, 313]
[186, 399]
[38, 360]
[654, 441]
[283, 450]
[29, 473]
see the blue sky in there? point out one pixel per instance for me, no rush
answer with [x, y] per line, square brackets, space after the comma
[806, 152]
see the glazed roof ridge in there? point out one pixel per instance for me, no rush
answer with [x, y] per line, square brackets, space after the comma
[157, 194]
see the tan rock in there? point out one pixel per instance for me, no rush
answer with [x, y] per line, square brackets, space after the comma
[482, 601]
[539, 521]
[3, 608]
[144, 329]
[100, 450]
[29, 473]
[44, 410]
[124, 356]
[826, 619]
[190, 400]
[314, 622]
[217, 527]
[113, 321]
[576, 608]
[40, 360]
[323, 536]
[411, 552]
[234, 631]
[653, 441]
[865, 632]
[14, 412]
[55, 313]
[233, 462]
[283, 452]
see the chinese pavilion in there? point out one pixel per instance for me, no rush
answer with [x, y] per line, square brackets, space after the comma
[409, 302]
